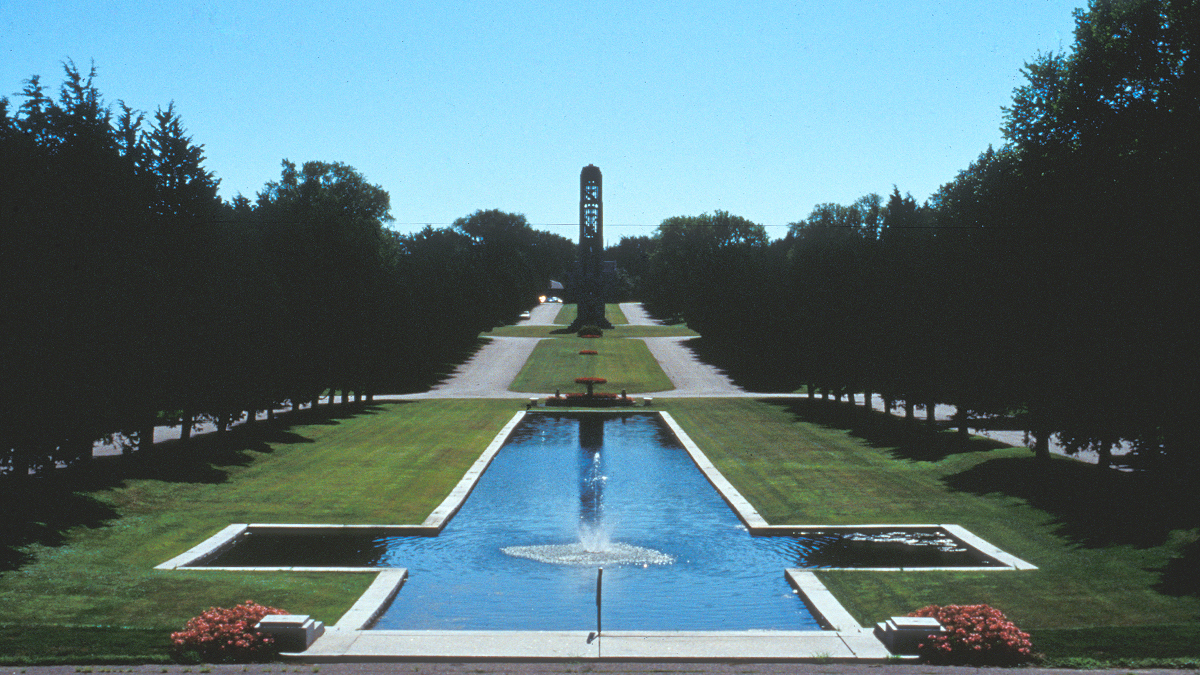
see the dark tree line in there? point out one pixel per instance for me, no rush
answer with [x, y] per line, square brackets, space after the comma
[133, 295]
[1052, 282]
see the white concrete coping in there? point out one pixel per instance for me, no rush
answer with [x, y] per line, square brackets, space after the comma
[351, 640]
[748, 515]
[967, 537]
[374, 600]
[393, 645]
[454, 501]
[824, 607]
[208, 547]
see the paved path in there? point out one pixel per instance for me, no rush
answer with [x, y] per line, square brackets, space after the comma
[489, 372]
[573, 667]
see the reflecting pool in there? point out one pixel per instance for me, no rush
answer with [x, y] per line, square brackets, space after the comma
[570, 493]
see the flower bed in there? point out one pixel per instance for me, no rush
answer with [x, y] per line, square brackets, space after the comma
[589, 352]
[975, 635]
[225, 635]
[589, 401]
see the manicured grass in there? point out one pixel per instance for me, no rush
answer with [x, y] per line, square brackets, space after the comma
[624, 331]
[1101, 539]
[95, 543]
[612, 312]
[21, 645]
[626, 364]
[79, 556]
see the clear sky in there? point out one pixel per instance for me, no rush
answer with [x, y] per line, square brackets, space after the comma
[760, 108]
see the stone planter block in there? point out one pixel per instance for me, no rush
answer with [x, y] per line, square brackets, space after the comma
[902, 634]
[292, 632]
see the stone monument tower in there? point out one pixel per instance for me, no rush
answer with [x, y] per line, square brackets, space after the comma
[590, 273]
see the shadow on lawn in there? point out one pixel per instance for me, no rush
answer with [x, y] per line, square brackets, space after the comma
[42, 509]
[905, 439]
[750, 371]
[1093, 507]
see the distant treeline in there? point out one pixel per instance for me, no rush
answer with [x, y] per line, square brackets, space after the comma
[1053, 282]
[133, 295]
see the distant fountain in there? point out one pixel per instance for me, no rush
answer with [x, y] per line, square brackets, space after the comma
[590, 398]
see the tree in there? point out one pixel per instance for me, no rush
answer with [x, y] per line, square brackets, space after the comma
[1109, 135]
[517, 260]
[325, 222]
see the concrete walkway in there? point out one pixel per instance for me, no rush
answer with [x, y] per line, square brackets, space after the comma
[614, 667]
[488, 373]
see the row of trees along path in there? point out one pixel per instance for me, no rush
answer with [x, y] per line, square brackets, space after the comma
[1050, 286]
[134, 295]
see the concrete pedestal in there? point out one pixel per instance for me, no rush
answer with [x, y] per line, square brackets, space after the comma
[292, 632]
[902, 634]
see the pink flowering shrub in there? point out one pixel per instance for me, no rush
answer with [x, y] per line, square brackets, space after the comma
[975, 635]
[225, 635]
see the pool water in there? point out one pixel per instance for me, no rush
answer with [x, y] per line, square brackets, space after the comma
[568, 494]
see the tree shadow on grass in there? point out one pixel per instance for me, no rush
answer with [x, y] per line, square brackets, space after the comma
[1181, 576]
[41, 512]
[750, 371]
[904, 439]
[43, 509]
[413, 377]
[1092, 506]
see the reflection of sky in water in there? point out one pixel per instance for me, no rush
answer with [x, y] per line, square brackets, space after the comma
[682, 559]
[542, 486]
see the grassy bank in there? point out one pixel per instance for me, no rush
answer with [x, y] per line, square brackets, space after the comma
[79, 586]
[1103, 540]
[88, 545]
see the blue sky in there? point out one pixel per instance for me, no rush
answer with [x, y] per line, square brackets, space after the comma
[763, 109]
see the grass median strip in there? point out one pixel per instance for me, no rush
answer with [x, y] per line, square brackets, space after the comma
[626, 364]
[612, 312]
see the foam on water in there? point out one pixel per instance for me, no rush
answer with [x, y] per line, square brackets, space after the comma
[615, 553]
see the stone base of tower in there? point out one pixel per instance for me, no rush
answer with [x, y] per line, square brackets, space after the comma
[590, 313]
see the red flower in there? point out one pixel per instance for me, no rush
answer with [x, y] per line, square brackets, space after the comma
[225, 634]
[975, 635]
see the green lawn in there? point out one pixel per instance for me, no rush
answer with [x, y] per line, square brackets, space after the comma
[79, 557]
[612, 312]
[626, 364]
[1101, 539]
[622, 331]
[94, 546]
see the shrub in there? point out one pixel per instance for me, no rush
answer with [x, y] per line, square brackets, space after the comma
[975, 635]
[225, 635]
[590, 332]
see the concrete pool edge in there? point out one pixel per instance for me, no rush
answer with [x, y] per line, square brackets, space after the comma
[351, 639]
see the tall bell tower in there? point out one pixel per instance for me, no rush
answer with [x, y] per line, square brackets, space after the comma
[590, 274]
